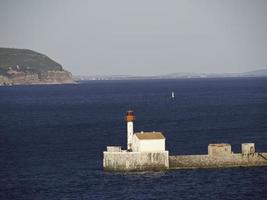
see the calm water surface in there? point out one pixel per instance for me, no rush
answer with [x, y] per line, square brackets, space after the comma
[52, 138]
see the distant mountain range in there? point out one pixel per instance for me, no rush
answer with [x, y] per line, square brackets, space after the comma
[182, 75]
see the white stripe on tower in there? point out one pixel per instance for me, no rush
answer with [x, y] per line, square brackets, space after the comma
[129, 135]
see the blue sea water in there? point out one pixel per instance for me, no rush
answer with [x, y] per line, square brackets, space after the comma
[52, 138]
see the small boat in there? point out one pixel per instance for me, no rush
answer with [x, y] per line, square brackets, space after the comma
[173, 95]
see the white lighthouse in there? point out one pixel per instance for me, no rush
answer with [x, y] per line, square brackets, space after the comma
[129, 119]
[145, 151]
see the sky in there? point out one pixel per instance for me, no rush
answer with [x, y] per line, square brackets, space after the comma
[140, 37]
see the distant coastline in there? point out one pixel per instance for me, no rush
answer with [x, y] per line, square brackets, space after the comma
[256, 73]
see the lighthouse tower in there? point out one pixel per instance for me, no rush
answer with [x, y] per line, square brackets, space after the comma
[129, 118]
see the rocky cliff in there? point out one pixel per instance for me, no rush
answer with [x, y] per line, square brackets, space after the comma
[23, 67]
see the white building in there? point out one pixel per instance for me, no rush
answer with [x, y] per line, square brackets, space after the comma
[148, 142]
[143, 141]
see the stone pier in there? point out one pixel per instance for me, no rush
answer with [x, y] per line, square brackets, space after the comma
[207, 161]
[220, 155]
[115, 159]
[135, 161]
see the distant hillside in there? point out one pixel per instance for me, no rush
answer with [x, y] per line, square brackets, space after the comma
[256, 73]
[261, 72]
[23, 66]
[181, 75]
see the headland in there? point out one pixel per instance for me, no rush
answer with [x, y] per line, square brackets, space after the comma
[27, 67]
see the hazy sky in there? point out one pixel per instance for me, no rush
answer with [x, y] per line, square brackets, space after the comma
[140, 37]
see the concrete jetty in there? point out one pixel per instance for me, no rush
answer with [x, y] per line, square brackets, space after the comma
[219, 156]
[146, 151]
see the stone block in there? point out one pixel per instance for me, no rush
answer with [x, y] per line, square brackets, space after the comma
[248, 148]
[135, 161]
[219, 150]
[114, 148]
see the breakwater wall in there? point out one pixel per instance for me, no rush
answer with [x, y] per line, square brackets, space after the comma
[135, 161]
[208, 161]
[219, 156]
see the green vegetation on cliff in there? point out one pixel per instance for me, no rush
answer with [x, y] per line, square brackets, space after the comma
[26, 60]
[23, 66]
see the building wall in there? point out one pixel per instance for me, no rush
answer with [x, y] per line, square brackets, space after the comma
[219, 150]
[152, 145]
[248, 148]
[206, 161]
[136, 144]
[135, 161]
[114, 148]
[148, 145]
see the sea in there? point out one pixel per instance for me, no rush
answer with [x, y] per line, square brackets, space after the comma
[52, 138]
